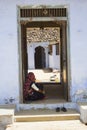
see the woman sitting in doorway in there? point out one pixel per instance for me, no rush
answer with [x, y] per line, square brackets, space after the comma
[31, 90]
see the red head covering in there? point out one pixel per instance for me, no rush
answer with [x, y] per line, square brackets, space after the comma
[31, 77]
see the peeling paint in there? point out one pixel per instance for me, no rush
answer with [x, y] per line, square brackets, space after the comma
[80, 95]
[9, 100]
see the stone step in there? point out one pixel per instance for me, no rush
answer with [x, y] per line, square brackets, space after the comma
[45, 115]
[46, 104]
[6, 116]
[8, 106]
[82, 107]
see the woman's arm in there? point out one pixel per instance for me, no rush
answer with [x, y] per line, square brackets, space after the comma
[36, 88]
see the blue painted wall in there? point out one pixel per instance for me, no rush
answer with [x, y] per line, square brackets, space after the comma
[9, 56]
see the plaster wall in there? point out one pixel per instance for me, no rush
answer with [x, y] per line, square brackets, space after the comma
[9, 56]
[9, 76]
[78, 50]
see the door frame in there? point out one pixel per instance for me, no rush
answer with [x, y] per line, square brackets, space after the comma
[68, 72]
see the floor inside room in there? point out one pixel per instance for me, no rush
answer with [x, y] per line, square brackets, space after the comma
[54, 94]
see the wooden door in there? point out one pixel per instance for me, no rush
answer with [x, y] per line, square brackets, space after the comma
[64, 73]
[24, 52]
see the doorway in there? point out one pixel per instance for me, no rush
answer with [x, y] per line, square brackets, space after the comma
[56, 52]
[39, 58]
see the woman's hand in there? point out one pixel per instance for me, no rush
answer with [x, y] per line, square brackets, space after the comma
[41, 91]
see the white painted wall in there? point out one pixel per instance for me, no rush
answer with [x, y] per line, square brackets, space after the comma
[9, 80]
[9, 69]
[30, 53]
[78, 41]
[53, 58]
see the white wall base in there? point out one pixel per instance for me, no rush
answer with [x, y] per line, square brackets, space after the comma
[6, 116]
[83, 113]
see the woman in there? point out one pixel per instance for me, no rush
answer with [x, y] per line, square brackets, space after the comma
[31, 90]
